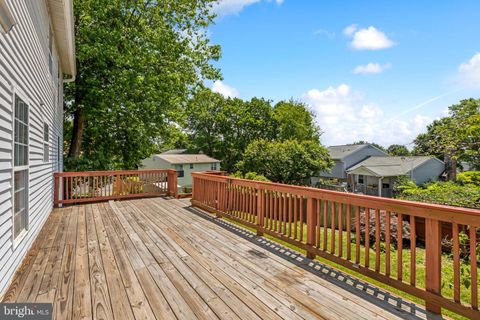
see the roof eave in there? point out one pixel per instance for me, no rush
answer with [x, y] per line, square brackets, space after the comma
[61, 15]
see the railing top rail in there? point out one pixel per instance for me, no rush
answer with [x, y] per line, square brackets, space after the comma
[435, 211]
[109, 173]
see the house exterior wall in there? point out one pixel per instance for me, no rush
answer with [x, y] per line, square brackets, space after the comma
[428, 171]
[24, 71]
[338, 171]
[186, 180]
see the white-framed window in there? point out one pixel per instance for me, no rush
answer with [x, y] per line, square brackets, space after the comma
[191, 165]
[180, 172]
[46, 142]
[213, 166]
[20, 166]
[360, 178]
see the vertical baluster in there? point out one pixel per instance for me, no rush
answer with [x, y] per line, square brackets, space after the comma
[332, 229]
[349, 231]
[473, 268]
[252, 205]
[301, 217]
[367, 237]
[340, 229]
[284, 220]
[290, 215]
[456, 263]
[357, 235]
[317, 218]
[413, 249]
[387, 243]
[295, 216]
[377, 240]
[399, 246]
[275, 211]
[325, 220]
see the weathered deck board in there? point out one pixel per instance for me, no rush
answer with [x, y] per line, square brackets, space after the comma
[154, 259]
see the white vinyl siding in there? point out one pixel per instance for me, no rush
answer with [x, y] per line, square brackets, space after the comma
[46, 143]
[24, 68]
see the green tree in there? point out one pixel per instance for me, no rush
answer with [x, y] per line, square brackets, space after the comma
[294, 121]
[223, 127]
[398, 150]
[286, 161]
[138, 63]
[456, 137]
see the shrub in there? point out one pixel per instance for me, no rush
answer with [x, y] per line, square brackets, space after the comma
[447, 193]
[250, 176]
[469, 177]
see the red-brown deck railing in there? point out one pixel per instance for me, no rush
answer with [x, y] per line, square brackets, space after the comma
[93, 186]
[332, 225]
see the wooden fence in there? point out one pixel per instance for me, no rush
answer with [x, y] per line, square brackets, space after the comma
[363, 233]
[94, 186]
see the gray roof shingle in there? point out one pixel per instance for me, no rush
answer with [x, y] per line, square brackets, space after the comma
[390, 166]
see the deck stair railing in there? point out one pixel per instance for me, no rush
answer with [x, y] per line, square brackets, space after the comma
[377, 237]
[94, 186]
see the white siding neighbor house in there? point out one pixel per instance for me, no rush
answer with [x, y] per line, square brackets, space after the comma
[376, 175]
[36, 52]
[185, 164]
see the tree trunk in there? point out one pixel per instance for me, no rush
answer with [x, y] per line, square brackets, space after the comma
[451, 166]
[77, 134]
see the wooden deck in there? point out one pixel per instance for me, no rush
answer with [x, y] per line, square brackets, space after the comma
[161, 259]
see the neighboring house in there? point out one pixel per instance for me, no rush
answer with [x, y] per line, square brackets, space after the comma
[375, 175]
[346, 156]
[36, 51]
[185, 164]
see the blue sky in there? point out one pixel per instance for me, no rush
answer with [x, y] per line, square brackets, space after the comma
[370, 70]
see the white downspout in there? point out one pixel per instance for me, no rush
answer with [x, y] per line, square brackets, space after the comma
[380, 186]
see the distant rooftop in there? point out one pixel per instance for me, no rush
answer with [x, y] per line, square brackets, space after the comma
[390, 166]
[185, 158]
[340, 152]
[175, 151]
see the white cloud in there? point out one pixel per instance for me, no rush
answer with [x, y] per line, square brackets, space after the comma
[369, 38]
[227, 7]
[371, 68]
[345, 117]
[348, 31]
[469, 72]
[323, 32]
[225, 90]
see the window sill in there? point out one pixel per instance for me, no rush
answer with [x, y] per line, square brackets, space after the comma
[19, 238]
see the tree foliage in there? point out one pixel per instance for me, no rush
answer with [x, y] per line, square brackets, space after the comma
[138, 63]
[398, 150]
[456, 137]
[294, 121]
[224, 127]
[288, 161]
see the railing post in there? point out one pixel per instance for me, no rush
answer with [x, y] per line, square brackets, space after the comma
[56, 191]
[310, 226]
[172, 182]
[260, 217]
[433, 261]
